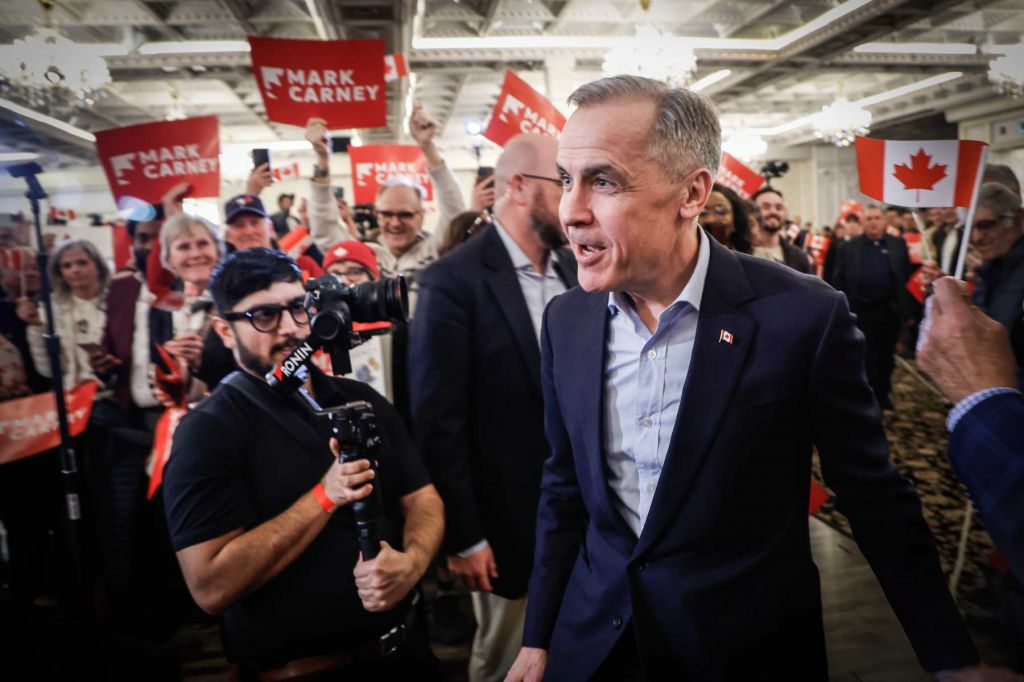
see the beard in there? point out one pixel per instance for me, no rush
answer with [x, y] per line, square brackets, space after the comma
[547, 227]
[257, 364]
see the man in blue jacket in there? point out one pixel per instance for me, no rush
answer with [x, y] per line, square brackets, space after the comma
[968, 354]
[684, 390]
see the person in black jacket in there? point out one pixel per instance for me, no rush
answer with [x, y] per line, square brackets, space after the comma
[872, 271]
[474, 379]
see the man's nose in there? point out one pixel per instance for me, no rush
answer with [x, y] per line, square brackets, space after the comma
[287, 325]
[574, 208]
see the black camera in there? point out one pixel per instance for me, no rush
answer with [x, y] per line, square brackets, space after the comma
[333, 307]
[355, 427]
[774, 169]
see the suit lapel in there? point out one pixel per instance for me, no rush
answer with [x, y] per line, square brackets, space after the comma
[586, 359]
[715, 366]
[501, 280]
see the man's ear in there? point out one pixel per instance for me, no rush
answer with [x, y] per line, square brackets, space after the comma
[517, 190]
[224, 331]
[695, 190]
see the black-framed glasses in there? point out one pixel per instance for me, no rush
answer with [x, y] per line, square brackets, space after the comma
[404, 216]
[266, 318]
[557, 181]
[354, 272]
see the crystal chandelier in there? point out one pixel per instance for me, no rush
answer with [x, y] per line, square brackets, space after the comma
[49, 72]
[841, 122]
[1007, 71]
[743, 145]
[653, 54]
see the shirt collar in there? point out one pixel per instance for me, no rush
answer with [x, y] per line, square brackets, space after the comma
[692, 293]
[520, 261]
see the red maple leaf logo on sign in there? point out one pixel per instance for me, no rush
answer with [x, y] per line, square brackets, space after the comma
[920, 174]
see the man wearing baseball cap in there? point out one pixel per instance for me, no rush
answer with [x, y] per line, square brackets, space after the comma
[248, 224]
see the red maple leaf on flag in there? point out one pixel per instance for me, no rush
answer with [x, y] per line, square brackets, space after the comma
[921, 173]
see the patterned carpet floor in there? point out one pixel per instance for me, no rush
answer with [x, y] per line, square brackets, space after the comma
[917, 436]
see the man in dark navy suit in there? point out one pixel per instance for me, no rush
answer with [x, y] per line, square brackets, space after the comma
[684, 389]
[474, 369]
[872, 270]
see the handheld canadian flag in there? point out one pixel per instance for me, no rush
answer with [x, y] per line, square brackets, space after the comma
[395, 67]
[918, 173]
[285, 173]
[63, 214]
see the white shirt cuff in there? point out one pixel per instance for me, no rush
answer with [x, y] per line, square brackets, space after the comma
[470, 551]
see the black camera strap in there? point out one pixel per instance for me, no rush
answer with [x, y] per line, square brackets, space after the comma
[269, 404]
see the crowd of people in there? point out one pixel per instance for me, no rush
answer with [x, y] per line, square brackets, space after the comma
[585, 378]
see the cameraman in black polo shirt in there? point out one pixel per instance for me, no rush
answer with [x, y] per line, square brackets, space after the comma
[258, 506]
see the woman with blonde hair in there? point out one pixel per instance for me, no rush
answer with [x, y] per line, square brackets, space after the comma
[79, 279]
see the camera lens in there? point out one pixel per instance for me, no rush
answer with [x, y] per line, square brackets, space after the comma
[327, 324]
[380, 301]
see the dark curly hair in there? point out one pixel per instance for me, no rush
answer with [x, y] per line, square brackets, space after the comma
[740, 238]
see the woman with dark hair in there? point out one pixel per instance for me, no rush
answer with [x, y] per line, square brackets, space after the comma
[725, 216]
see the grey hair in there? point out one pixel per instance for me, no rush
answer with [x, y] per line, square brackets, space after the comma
[421, 193]
[180, 224]
[999, 198]
[60, 287]
[686, 134]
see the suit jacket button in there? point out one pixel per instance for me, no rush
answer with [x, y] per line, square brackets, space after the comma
[616, 622]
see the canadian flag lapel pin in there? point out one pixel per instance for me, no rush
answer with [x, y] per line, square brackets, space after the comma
[725, 337]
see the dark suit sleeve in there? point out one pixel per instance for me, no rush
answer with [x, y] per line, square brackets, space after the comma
[561, 516]
[986, 450]
[883, 509]
[440, 395]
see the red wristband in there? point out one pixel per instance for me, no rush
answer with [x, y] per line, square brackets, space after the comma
[321, 496]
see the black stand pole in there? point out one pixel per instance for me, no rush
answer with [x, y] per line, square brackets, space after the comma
[70, 476]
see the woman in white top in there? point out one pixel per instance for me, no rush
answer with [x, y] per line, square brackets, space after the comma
[79, 278]
[190, 247]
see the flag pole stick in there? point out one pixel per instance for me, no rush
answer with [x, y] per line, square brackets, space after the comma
[961, 262]
[965, 241]
[921, 227]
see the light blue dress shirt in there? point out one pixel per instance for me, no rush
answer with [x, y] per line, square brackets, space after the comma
[538, 289]
[644, 375]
